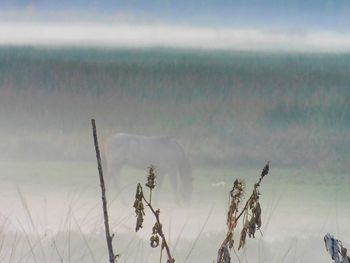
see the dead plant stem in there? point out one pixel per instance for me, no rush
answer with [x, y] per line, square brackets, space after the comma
[156, 215]
[109, 238]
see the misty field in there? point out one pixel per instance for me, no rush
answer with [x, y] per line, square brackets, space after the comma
[230, 111]
[60, 218]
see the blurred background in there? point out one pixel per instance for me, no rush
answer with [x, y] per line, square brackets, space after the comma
[236, 83]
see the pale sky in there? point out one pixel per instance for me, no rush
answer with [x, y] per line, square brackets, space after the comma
[205, 24]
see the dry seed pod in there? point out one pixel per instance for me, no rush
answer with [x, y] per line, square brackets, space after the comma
[266, 169]
[257, 214]
[226, 256]
[156, 228]
[139, 192]
[242, 238]
[231, 242]
[251, 228]
[154, 241]
[151, 178]
[139, 222]
[139, 207]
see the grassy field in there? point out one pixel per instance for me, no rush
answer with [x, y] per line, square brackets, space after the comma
[84, 174]
[62, 208]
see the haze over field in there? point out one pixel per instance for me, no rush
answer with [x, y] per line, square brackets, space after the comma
[235, 83]
[231, 112]
[310, 26]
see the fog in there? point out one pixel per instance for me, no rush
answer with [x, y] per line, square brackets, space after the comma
[231, 112]
[146, 35]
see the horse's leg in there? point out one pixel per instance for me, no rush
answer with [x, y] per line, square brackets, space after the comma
[109, 172]
[116, 178]
[174, 185]
[120, 191]
[185, 179]
[113, 175]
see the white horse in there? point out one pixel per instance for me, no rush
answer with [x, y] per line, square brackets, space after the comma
[140, 152]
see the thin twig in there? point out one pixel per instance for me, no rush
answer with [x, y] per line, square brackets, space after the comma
[57, 251]
[199, 234]
[29, 215]
[160, 256]
[234, 250]
[84, 239]
[13, 249]
[109, 238]
[31, 248]
[180, 235]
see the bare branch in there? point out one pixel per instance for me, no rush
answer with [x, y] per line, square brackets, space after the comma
[112, 257]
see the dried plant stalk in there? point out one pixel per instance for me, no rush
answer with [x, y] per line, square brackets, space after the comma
[109, 237]
[157, 235]
[251, 213]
